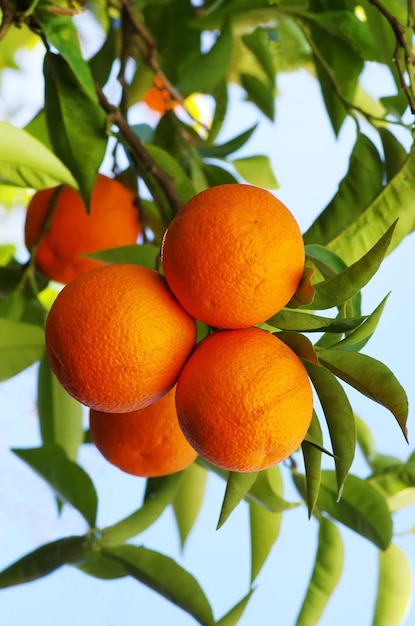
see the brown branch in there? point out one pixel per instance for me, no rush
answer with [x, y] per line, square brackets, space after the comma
[8, 16]
[165, 181]
[402, 45]
[150, 57]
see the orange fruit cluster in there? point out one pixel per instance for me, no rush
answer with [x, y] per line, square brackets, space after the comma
[59, 229]
[121, 339]
[234, 256]
[158, 98]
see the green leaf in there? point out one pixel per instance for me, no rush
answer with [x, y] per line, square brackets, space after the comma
[260, 94]
[395, 153]
[202, 72]
[237, 486]
[395, 202]
[340, 419]
[312, 454]
[256, 170]
[365, 440]
[265, 528]
[182, 182]
[146, 515]
[258, 43]
[362, 507]
[383, 34]
[38, 129]
[335, 60]
[189, 499]
[301, 321]
[143, 254]
[394, 592]
[358, 338]
[102, 62]
[223, 150]
[397, 482]
[166, 577]
[343, 25]
[21, 345]
[372, 378]
[356, 191]
[25, 162]
[12, 307]
[232, 617]
[45, 560]
[76, 123]
[69, 481]
[60, 31]
[325, 576]
[266, 491]
[327, 262]
[337, 290]
[7, 251]
[60, 416]
[10, 278]
[102, 567]
[216, 175]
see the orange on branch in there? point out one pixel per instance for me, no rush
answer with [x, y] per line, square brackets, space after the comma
[147, 442]
[158, 98]
[59, 229]
[244, 400]
[233, 256]
[117, 338]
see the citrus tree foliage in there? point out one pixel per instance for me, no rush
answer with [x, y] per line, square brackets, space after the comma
[203, 48]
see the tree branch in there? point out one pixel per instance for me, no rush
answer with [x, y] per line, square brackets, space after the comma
[402, 45]
[8, 15]
[165, 181]
[151, 59]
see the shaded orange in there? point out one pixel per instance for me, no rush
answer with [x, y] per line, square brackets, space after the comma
[117, 338]
[233, 256]
[244, 400]
[158, 98]
[148, 442]
[113, 221]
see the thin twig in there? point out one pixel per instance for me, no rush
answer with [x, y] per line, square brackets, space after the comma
[402, 45]
[8, 16]
[165, 181]
[350, 107]
[150, 57]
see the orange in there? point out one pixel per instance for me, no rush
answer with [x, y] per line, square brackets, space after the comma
[233, 256]
[117, 338]
[244, 400]
[158, 97]
[60, 231]
[147, 442]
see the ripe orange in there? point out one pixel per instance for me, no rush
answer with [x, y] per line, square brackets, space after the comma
[244, 400]
[113, 221]
[117, 338]
[158, 97]
[147, 442]
[233, 256]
